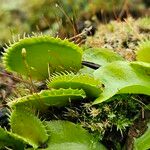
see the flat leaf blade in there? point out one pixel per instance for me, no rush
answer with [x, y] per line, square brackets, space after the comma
[101, 56]
[123, 77]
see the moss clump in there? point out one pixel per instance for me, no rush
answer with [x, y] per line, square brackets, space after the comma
[121, 37]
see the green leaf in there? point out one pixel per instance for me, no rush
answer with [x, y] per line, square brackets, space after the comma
[29, 127]
[8, 139]
[92, 87]
[123, 77]
[33, 56]
[143, 142]
[40, 101]
[143, 51]
[100, 56]
[65, 135]
[86, 70]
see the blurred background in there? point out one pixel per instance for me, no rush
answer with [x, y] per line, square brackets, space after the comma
[63, 18]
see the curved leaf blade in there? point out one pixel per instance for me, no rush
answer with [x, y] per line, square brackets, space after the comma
[123, 77]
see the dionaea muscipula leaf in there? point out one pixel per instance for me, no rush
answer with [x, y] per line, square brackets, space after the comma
[101, 56]
[143, 51]
[65, 135]
[143, 142]
[54, 97]
[32, 56]
[91, 86]
[123, 77]
[29, 127]
[9, 139]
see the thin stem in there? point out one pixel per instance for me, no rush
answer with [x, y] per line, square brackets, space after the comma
[14, 78]
[28, 68]
[140, 102]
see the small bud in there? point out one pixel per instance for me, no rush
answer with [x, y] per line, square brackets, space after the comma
[23, 52]
[56, 5]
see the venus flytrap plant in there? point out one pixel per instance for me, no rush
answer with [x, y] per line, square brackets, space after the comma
[59, 61]
[24, 109]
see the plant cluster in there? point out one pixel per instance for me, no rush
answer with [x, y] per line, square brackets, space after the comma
[90, 98]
